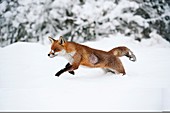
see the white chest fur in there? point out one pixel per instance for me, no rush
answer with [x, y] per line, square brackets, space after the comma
[68, 56]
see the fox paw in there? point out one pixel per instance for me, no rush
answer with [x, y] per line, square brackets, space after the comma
[71, 72]
[59, 73]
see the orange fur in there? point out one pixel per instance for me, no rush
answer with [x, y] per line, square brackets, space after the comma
[94, 58]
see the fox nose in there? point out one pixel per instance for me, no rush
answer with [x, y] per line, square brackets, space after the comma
[51, 54]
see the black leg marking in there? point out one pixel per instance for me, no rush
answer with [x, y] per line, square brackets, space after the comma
[71, 72]
[67, 65]
[59, 72]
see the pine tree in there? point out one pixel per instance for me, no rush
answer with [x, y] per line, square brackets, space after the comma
[82, 20]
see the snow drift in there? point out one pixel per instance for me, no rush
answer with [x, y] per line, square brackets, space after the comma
[27, 81]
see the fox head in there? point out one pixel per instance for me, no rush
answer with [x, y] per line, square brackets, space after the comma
[57, 47]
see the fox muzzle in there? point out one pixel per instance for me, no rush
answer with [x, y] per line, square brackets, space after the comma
[51, 55]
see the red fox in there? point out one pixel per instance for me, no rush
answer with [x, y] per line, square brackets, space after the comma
[78, 54]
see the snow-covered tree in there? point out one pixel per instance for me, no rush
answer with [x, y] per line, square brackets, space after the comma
[81, 20]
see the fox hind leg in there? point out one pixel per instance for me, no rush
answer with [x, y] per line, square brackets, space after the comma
[116, 66]
[114, 71]
[106, 70]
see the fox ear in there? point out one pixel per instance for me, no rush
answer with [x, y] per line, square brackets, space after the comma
[51, 39]
[62, 40]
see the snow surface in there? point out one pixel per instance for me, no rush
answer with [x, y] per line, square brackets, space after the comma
[27, 81]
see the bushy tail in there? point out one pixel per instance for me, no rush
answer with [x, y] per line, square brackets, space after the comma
[123, 51]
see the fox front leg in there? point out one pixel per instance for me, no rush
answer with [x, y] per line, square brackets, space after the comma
[67, 67]
[71, 72]
[70, 68]
[59, 72]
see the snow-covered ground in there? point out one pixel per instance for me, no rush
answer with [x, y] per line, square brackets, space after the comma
[27, 81]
